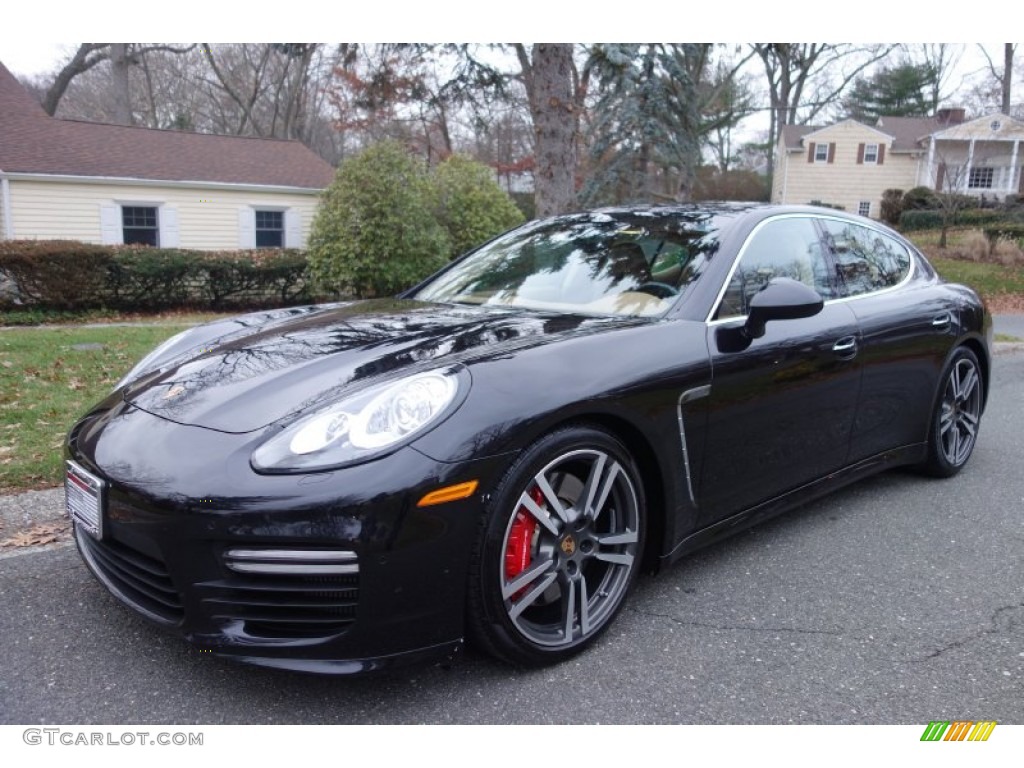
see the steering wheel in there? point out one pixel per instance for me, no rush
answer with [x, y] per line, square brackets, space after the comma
[659, 290]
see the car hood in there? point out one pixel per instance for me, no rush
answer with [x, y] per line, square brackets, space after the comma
[251, 379]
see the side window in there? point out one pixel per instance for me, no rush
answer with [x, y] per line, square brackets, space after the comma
[787, 247]
[269, 229]
[140, 225]
[866, 260]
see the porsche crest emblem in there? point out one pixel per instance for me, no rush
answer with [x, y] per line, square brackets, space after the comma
[568, 545]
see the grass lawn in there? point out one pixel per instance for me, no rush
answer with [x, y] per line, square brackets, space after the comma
[45, 384]
[1002, 287]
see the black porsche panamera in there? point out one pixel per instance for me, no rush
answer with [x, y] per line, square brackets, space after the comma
[498, 452]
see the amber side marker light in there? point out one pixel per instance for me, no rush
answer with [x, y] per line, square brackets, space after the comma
[448, 493]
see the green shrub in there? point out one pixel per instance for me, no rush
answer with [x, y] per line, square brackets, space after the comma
[68, 275]
[892, 206]
[151, 278]
[921, 199]
[375, 232]
[470, 205]
[916, 219]
[924, 219]
[1005, 230]
[64, 274]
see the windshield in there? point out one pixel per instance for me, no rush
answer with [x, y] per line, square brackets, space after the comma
[634, 263]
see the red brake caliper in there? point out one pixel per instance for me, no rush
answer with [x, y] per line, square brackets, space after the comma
[520, 541]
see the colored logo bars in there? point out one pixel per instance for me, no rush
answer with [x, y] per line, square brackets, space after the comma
[958, 730]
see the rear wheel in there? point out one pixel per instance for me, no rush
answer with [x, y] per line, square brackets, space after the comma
[559, 549]
[957, 415]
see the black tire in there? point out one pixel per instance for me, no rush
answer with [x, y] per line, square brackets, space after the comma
[957, 415]
[559, 548]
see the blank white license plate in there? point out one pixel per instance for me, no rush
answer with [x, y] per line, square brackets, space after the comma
[83, 493]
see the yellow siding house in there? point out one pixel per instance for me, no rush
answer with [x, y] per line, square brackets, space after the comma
[850, 164]
[67, 179]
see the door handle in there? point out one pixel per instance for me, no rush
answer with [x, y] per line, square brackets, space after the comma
[846, 347]
[942, 321]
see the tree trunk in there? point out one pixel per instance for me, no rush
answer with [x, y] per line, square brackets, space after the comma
[552, 108]
[119, 65]
[1007, 75]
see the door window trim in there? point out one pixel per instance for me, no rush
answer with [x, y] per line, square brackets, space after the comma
[710, 320]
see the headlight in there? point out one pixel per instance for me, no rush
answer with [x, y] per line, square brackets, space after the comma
[363, 426]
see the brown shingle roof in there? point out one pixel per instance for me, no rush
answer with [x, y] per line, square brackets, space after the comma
[792, 134]
[33, 142]
[907, 132]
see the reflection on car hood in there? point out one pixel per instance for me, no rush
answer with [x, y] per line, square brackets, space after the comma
[246, 382]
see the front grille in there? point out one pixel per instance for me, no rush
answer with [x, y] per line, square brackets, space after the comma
[278, 593]
[140, 580]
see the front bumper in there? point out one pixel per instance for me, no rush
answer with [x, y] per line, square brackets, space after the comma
[198, 543]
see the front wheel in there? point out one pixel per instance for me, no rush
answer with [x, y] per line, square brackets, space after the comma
[957, 416]
[559, 549]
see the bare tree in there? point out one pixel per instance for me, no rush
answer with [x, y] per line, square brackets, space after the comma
[950, 185]
[122, 56]
[87, 56]
[806, 78]
[941, 59]
[1004, 76]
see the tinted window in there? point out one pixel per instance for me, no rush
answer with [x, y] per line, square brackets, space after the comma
[866, 260]
[597, 263]
[787, 247]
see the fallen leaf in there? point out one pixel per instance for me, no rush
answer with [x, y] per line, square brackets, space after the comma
[38, 534]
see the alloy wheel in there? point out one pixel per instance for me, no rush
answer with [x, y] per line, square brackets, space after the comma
[570, 548]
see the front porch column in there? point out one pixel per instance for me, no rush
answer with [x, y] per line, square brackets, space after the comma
[1011, 185]
[932, 177]
[967, 171]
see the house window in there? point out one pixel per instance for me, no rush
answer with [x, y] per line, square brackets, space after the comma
[870, 153]
[864, 208]
[269, 229]
[821, 153]
[981, 178]
[140, 225]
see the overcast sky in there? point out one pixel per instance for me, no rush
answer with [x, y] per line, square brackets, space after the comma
[26, 46]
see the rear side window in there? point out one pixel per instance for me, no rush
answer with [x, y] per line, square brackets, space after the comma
[866, 260]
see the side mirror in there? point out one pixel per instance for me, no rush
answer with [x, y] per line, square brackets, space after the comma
[782, 299]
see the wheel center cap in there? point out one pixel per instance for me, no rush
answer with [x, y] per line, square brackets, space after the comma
[568, 545]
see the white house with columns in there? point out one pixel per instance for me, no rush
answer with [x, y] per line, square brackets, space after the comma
[850, 164]
[979, 157]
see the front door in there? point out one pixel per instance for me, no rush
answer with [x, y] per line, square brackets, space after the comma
[780, 412]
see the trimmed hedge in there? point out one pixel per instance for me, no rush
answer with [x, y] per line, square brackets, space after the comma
[932, 219]
[65, 274]
[1005, 230]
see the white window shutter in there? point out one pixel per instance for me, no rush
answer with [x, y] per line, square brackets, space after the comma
[168, 221]
[246, 228]
[292, 229]
[111, 230]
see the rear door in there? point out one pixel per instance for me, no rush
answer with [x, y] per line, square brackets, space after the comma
[907, 325]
